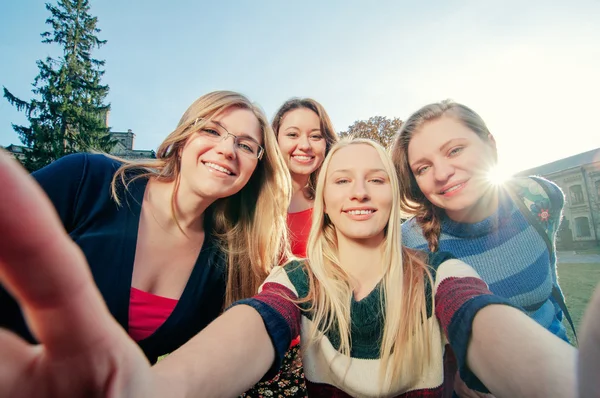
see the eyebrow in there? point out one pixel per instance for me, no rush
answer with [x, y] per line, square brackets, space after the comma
[370, 171]
[242, 135]
[296, 128]
[442, 148]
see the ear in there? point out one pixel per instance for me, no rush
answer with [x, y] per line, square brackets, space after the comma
[492, 140]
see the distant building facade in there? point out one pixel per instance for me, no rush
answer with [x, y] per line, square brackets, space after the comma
[579, 178]
[123, 148]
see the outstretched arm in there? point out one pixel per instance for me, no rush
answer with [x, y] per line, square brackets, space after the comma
[589, 349]
[238, 348]
[227, 358]
[511, 354]
[83, 352]
[516, 357]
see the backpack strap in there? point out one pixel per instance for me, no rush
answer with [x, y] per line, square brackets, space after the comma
[512, 189]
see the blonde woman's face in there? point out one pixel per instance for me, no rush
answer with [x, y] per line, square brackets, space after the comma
[217, 161]
[358, 195]
[301, 141]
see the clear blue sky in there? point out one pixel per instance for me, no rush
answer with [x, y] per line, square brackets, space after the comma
[530, 68]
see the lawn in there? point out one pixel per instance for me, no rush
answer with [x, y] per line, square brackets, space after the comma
[578, 282]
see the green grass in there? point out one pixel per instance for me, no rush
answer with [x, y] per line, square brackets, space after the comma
[578, 282]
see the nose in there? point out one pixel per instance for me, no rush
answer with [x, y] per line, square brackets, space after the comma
[304, 143]
[226, 147]
[360, 191]
[443, 171]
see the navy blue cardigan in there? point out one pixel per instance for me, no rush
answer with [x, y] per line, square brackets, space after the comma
[79, 187]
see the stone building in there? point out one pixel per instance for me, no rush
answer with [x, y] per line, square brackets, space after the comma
[579, 178]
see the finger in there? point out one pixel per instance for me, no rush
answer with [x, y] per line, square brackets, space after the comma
[17, 358]
[589, 349]
[43, 268]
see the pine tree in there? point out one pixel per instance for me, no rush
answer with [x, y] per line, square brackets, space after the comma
[69, 113]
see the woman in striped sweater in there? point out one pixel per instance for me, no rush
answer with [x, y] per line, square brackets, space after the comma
[444, 154]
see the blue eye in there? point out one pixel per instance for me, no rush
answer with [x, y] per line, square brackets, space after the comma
[455, 151]
[246, 148]
[422, 170]
[211, 132]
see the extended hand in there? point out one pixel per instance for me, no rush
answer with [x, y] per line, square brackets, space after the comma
[83, 352]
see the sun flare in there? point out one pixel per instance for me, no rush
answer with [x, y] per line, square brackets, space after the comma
[498, 175]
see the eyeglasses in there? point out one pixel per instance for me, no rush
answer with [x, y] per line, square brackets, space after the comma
[247, 146]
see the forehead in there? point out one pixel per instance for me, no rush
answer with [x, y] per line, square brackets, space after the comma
[239, 121]
[346, 158]
[300, 116]
[432, 135]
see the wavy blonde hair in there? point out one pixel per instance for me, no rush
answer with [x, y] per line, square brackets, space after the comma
[325, 125]
[251, 224]
[406, 343]
[413, 201]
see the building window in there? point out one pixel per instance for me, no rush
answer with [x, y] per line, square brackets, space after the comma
[582, 227]
[576, 194]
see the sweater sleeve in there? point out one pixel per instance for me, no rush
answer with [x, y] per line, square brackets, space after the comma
[459, 294]
[61, 180]
[280, 314]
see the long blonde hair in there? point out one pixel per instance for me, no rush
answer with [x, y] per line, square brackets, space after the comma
[325, 125]
[250, 225]
[406, 342]
[413, 201]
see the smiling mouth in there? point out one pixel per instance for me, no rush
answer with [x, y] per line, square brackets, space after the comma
[360, 212]
[453, 188]
[302, 158]
[218, 168]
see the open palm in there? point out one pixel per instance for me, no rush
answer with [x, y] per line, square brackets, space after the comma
[83, 352]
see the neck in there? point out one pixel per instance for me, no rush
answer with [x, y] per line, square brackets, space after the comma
[299, 182]
[188, 206]
[482, 209]
[362, 260]
[299, 202]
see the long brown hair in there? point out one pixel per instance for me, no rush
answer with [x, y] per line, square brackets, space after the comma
[413, 201]
[325, 125]
[250, 224]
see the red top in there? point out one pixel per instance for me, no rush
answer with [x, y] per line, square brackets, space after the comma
[299, 227]
[147, 312]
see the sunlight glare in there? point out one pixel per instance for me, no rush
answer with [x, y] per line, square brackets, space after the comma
[498, 175]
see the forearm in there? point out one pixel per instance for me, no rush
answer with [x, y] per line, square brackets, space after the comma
[224, 360]
[589, 349]
[516, 357]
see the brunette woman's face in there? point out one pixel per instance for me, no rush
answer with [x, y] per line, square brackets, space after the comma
[451, 164]
[301, 141]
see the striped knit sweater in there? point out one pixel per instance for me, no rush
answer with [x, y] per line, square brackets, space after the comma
[508, 252]
[459, 294]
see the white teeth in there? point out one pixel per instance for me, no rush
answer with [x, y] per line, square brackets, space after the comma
[454, 188]
[217, 167]
[303, 158]
[358, 212]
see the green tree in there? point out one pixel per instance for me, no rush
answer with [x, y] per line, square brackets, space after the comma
[378, 128]
[69, 113]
